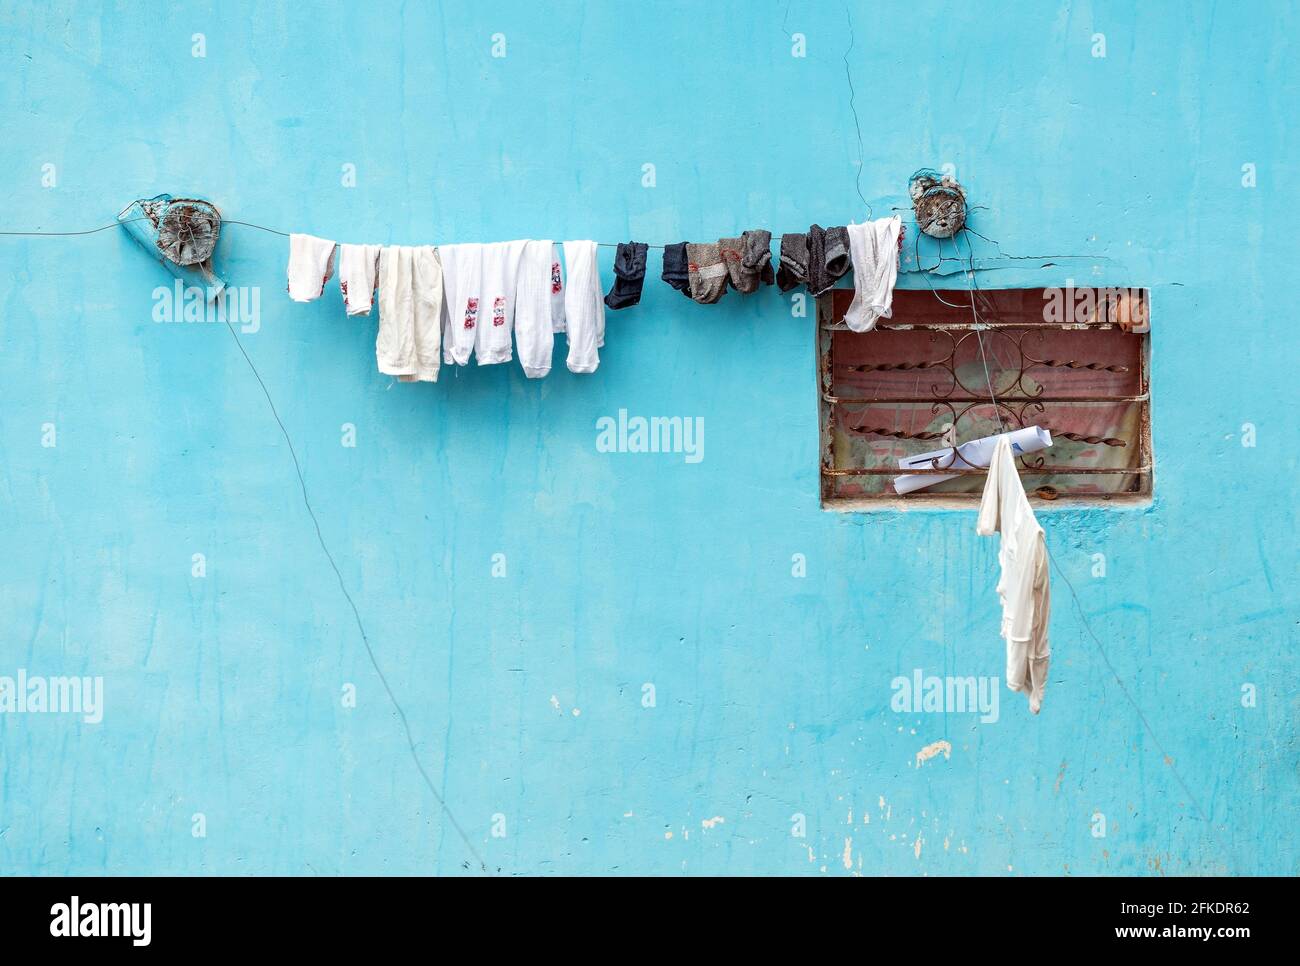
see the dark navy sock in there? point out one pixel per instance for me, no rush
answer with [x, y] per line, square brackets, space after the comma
[629, 275]
[677, 270]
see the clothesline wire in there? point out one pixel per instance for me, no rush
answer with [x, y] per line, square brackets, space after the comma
[979, 335]
[224, 222]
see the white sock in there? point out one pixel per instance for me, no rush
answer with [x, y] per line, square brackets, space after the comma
[462, 270]
[497, 301]
[358, 273]
[534, 326]
[584, 306]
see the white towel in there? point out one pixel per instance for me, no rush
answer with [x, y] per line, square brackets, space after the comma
[311, 264]
[410, 312]
[534, 313]
[584, 306]
[358, 273]
[874, 250]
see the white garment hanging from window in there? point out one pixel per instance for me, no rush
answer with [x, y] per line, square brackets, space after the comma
[1023, 585]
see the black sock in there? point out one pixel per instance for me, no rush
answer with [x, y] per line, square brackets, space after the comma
[629, 275]
[793, 268]
[677, 270]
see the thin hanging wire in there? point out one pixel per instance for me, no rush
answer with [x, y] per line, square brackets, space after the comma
[224, 222]
[976, 325]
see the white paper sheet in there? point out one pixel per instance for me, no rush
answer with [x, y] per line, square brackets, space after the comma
[974, 454]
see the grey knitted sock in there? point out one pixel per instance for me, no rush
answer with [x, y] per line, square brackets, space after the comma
[733, 251]
[837, 252]
[757, 254]
[793, 269]
[827, 254]
[708, 273]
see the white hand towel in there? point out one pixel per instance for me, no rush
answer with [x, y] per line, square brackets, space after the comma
[410, 313]
[874, 250]
[311, 265]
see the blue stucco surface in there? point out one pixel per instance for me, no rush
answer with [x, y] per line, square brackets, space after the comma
[524, 693]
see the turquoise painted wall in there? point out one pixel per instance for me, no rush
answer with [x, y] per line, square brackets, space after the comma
[223, 694]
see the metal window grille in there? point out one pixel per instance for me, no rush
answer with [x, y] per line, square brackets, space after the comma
[1074, 361]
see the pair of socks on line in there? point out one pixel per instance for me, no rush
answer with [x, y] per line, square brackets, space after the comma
[480, 282]
[540, 309]
[815, 259]
[702, 271]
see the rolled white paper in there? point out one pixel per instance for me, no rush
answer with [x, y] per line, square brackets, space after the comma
[974, 454]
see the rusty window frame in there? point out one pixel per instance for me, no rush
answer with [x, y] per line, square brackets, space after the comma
[1047, 480]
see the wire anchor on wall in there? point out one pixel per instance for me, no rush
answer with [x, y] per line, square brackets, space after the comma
[939, 203]
[181, 233]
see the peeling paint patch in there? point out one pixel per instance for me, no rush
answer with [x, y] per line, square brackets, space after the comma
[710, 822]
[929, 751]
[916, 846]
[848, 853]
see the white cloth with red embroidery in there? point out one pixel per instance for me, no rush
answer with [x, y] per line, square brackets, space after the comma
[358, 275]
